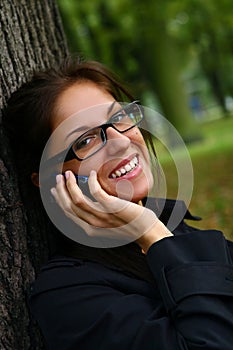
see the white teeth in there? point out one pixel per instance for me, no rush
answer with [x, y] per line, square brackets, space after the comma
[128, 167]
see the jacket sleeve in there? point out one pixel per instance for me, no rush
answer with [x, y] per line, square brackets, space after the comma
[195, 278]
[194, 274]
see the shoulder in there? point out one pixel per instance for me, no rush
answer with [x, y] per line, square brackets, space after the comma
[82, 297]
[64, 272]
[230, 246]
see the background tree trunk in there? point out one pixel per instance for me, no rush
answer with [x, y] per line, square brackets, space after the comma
[162, 69]
[32, 38]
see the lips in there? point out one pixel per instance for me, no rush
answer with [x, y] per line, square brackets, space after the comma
[126, 166]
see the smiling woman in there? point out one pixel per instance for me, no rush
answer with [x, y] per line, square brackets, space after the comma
[121, 268]
[113, 145]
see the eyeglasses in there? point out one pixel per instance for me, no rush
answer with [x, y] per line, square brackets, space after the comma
[93, 140]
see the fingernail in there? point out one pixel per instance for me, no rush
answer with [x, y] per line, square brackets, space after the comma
[67, 175]
[58, 178]
[53, 191]
[92, 173]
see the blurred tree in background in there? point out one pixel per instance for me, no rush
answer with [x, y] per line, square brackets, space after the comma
[208, 29]
[175, 55]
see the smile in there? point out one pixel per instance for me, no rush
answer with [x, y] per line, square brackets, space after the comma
[127, 168]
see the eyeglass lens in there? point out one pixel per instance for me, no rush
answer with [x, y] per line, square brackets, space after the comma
[93, 140]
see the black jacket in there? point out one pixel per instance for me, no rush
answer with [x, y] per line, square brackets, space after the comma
[83, 305]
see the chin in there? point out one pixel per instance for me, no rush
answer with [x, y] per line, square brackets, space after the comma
[131, 192]
[139, 196]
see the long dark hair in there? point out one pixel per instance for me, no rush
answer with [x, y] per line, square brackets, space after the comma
[28, 122]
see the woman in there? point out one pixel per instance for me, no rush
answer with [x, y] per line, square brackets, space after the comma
[160, 289]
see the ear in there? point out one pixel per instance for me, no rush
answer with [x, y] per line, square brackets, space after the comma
[35, 179]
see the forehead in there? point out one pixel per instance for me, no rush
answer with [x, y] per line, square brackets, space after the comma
[72, 126]
[78, 97]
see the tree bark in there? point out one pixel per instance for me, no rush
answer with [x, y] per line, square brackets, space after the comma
[32, 38]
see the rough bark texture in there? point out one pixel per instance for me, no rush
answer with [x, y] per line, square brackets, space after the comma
[31, 38]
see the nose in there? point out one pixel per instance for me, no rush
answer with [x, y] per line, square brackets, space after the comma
[116, 142]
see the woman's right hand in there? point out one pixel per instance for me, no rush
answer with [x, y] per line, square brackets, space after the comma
[104, 216]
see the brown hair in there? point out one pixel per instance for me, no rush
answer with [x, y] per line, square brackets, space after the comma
[30, 109]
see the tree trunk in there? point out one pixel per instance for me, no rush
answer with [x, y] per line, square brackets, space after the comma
[31, 38]
[162, 68]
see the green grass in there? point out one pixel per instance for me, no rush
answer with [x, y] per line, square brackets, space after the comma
[212, 163]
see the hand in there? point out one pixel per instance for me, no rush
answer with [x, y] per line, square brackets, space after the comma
[109, 216]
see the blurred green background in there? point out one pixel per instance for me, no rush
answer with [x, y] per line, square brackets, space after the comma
[177, 58]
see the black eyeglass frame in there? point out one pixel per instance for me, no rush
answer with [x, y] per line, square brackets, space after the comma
[65, 155]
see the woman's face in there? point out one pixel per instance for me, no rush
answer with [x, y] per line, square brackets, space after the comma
[114, 158]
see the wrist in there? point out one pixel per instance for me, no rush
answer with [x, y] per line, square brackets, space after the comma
[153, 235]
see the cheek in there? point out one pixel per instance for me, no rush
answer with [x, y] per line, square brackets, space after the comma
[84, 168]
[137, 139]
[72, 165]
[136, 136]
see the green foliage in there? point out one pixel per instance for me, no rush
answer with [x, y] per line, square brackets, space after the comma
[101, 30]
[208, 27]
[213, 169]
[171, 48]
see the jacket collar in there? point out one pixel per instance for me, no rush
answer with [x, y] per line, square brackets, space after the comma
[164, 208]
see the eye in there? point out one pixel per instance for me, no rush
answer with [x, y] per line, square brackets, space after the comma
[85, 141]
[118, 117]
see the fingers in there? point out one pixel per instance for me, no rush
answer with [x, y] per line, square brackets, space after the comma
[108, 211]
[64, 198]
[119, 207]
[111, 204]
[105, 202]
[59, 194]
[77, 196]
[75, 204]
[126, 212]
[104, 217]
[96, 190]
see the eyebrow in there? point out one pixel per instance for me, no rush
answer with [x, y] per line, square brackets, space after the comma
[111, 107]
[82, 128]
[86, 127]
